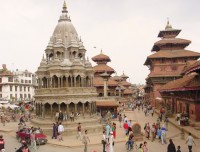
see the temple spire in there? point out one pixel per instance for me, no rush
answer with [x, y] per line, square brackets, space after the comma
[168, 26]
[64, 7]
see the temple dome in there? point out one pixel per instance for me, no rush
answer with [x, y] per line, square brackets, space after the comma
[65, 30]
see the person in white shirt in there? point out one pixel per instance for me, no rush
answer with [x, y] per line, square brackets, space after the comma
[190, 142]
[60, 131]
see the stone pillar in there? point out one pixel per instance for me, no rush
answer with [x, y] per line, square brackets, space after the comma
[75, 108]
[40, 110]
[43, 110]
[82, 82]
[61, 82]
[83, 109]
[71, 81]
[58, 107]
[51, 110]
[105, 87]
[67, 108]
[90, 108]
[58, 82]
[67, 82]
[75, 85]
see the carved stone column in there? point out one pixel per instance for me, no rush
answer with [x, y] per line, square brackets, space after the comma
[71, 78]
[59, 107]
[83, 109]
[75, 108]
[51, 110]
[58, 82]
[43, 110]
[67, 82]
[67, 108]
[61, 82]
[75, 85]
[90, 108]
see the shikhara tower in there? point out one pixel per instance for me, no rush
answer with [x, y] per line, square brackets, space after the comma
[65, 77]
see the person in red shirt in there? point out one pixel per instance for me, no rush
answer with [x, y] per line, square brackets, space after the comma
[2, 143]
[126, 127]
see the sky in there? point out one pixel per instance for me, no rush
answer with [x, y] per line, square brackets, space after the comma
[125, 30]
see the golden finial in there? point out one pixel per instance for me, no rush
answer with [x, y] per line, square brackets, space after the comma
[64, 5]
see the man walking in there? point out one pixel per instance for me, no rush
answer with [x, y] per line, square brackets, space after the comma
[85, 141]
[120, 120]
[60, 131]
[190, 142]
[79, 135]
[104, 141]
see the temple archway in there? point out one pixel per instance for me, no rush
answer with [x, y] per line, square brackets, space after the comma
[63, 107]
[47, 107]
[71, 107]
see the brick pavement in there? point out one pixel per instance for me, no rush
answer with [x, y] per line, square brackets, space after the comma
[72, 143]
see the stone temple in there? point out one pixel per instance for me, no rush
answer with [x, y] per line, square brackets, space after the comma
[65, 79]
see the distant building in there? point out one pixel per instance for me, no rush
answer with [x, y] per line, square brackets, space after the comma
[118, 89]
[167, 63]
[16, 86]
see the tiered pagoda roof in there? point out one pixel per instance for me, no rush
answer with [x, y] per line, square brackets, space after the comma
[99, 82]
[102, 68]
[101, 57]
[170, 47]
[190, 81]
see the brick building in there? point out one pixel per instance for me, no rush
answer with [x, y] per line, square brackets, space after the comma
[183, 95]
[167, 63]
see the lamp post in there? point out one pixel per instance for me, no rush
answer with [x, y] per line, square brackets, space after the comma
[105, 77]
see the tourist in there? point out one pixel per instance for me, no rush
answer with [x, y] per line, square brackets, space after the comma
[166, 122]
[65, 116]
[85, 140]
[111, 140]
[104, 141]
[56, 116]
[33, 142]
[60, 131]
[107, 130]
[130, 123]
[3, 119]
[125, 127]
[72, 117]
[120, 120]
[147, 130]
[130, 141]
[190, 142]
[125, 118]
[2, 143]
[163, 135]
[178, 149]
[153, 133]
[145, 148]
[60, 116]
[159, 134]
[171, 146]
[54, 131]
[79, 135]
[140, 149]
[114, 130]
[158, 122]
